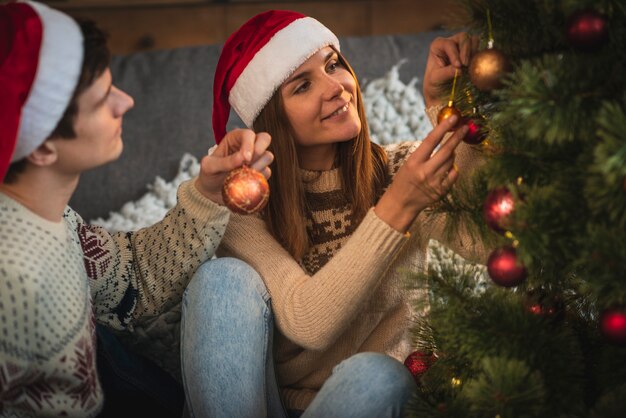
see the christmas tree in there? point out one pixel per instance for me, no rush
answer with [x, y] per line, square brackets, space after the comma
[543, 332]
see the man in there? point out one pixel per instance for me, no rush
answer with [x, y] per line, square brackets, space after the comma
[61, 116]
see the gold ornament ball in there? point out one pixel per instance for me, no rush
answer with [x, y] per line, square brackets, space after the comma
[487, 69]
[446, 112]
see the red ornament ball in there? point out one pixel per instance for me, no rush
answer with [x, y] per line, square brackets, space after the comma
[586, 30]
[448, 111]
[245, 190]
[539, 302]
[487, 68]
[498, 205]
[504, 268]
[475, 134]
[613, 326]
[418, 363]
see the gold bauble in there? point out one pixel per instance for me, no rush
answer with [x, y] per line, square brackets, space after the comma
[487, 68]
[446, 112]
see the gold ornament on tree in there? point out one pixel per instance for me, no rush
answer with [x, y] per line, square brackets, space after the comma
[489, 65]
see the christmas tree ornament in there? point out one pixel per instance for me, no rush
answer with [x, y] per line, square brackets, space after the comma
[498, 205]
[541, 303]
[476, 132]
[245, 190]
[488, 66]
[450, 110]
[613, 326]
[418, 363]
[504, 267]
[587, 30]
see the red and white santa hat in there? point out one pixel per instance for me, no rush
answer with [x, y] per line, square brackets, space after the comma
[258, 58]
[41, 56]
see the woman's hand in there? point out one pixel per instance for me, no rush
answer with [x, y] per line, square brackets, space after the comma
[446, 56]
[238, 147]
[423, 178]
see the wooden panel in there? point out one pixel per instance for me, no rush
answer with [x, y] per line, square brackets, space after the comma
[407, 16]
[87, 4]
[136, 25]
[132, 30]
[342, 17]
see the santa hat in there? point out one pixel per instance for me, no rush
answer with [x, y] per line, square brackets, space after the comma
[258, 58]
[41, 56]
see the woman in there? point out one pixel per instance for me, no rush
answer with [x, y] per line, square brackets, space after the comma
[342, 223]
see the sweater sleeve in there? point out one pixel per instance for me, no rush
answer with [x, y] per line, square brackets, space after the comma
[313, 311]
[137, 275]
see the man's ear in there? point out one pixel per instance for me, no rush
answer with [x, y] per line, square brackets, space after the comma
[44, 155]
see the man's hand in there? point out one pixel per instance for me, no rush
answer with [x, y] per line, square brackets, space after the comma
[238, 147]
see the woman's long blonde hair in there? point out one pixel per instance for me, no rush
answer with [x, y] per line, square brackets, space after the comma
[363, 166]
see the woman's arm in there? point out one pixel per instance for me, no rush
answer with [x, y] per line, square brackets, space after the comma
[313, 311]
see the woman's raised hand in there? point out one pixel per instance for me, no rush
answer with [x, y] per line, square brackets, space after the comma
[423, 179]
[445, 57]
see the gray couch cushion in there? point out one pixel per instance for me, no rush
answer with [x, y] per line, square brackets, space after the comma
[173, 103]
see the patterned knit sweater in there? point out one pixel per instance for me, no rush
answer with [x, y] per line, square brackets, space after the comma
[346, 295]
[56, 279]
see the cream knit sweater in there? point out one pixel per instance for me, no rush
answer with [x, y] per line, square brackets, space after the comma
[56, 279]
[346, 295]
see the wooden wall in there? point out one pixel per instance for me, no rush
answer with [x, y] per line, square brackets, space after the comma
[135, 25]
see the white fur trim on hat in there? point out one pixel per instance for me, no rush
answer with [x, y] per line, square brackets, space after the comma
[274, 63]
[58, 70]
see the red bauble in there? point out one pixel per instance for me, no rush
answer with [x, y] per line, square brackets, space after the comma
[245, 190]
[418, 363]
[498, 205]
[613, 326]
[504, 268]
[448, 111]
[539, 302]
[475, 134]
[587, 30]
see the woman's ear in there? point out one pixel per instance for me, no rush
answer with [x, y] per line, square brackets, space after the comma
[44, 155]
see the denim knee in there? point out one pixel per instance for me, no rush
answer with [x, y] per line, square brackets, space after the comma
[226, 277]
[391, 378]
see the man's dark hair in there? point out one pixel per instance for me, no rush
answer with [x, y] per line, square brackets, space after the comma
[95, 62]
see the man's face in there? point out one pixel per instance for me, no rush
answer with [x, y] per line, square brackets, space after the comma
[98, 128]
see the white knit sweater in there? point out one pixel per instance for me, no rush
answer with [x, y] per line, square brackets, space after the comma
[56, 279]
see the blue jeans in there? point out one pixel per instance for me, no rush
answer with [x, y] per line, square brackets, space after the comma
[363, 386]
[227, 364]
[226, 343]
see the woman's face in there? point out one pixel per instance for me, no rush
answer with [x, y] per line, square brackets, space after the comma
[320, 103]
